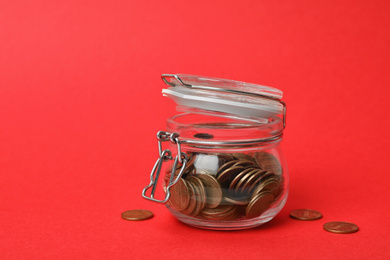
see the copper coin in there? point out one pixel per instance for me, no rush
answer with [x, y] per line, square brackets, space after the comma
[180, 196]
[265, 175]
[244, 163]
[268, 162]
[137, 214]
[243, 156]
[259, 204]
[223, 212]
[189, 163]
[213, 190]
[236, 179]
[235, 201]
[243, 180]
[340, 227]
[259, 177]
[244, 188]
[226, 177]
[305, 214]
[218, 210]
[271, 184]
[224, 158]
[198, 200]
[225, 166]
[192, 204]
[202, 171]
[202, 190]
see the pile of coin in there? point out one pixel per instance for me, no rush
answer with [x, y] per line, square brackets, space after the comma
[227, 186]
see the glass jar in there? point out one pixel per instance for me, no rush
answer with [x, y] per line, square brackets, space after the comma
[225, 169]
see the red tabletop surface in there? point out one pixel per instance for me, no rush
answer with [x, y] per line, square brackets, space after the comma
[80, 104]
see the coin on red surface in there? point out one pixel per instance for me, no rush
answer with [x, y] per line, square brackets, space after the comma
[341, 227]
[305, 214]
[137, 214]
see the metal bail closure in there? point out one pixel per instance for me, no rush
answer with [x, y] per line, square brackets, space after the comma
[164, 156]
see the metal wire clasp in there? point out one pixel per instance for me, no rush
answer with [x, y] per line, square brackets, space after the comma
[164, 156]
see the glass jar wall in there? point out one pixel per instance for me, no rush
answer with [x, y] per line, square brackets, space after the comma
[235, 176]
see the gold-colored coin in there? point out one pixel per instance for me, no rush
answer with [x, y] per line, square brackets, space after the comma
[259, 204]
[137, 215]
[341, 227]
[213, 190]
[268, 162]
[180, 197]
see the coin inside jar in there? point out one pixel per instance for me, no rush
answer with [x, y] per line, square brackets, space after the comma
[259, 204]
[269, 162]
[213, 190]
[237, 182]
[243, 156]
[193, 203]
[180, 195]
[225, 166]
[222, 212]
[242, 202]
[238, 178]
[198, 200]
[271, 184]
[226, 177]
[201, 192]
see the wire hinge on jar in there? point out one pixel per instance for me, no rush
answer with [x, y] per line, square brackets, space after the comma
[164, 156]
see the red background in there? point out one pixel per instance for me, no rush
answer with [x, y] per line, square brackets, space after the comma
[80, 105]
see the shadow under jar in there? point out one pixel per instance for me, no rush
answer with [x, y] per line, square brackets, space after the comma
[228, 171]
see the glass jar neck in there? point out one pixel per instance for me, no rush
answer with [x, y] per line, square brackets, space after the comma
[211, 130]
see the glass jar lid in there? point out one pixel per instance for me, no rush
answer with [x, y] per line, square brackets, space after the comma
[224, 96]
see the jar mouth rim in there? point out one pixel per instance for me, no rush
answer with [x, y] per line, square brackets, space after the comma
[241, 123]
[216, 130]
